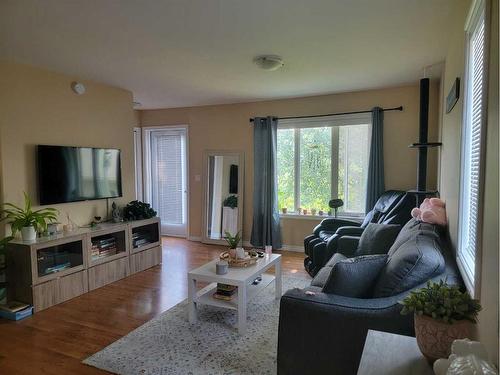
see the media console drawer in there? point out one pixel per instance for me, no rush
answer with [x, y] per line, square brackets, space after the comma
[145, 259]
[59, 290]
[108, 273]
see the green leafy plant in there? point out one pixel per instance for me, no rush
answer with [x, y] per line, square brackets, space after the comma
[231, 201]
[137, 210]
[231, 240]
[19, 217]
[442, 302]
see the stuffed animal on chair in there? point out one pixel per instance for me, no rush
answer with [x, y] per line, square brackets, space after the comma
[432, 211]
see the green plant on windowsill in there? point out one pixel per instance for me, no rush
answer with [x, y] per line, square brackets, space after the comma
[26, 220]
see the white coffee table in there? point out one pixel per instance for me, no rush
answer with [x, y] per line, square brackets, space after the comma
[240, 277]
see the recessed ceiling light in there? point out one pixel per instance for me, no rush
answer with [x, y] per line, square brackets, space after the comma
[269, 62]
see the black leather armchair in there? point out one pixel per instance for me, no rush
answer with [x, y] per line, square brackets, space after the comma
[393, 207]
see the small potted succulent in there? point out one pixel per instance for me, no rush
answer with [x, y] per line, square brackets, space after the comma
[233, 242]
[28, 221]
[313, 211]
[284, 210]
[443, 314]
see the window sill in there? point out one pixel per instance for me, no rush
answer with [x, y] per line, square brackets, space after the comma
[318, 217]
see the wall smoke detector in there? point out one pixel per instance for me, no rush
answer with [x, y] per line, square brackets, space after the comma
[269, 62]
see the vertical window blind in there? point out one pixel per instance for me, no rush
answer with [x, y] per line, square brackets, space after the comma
[168, 189]
[472, 144]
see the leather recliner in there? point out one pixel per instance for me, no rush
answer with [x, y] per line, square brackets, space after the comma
[393, 207]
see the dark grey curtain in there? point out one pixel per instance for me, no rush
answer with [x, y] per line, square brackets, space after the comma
[266, 221]
[376, 185]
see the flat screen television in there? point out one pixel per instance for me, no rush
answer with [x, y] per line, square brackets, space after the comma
[72, 174]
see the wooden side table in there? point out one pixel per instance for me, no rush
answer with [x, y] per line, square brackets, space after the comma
[390, 354]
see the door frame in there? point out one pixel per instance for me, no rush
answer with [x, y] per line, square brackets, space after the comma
[146, 166]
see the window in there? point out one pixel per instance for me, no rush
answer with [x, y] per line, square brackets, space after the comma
[472, 146]
[323, 158]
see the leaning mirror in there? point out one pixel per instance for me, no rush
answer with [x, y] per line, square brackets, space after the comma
[223, 195]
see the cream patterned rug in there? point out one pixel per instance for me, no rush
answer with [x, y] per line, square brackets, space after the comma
[169, 344]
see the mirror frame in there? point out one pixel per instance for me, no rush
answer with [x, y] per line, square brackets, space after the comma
[241, 190]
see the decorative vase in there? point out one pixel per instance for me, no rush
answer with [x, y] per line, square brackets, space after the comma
[321, 212]
[232, 253]
[28, 233]
[434, 338]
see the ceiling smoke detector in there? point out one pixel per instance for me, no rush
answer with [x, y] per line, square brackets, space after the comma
[269, 62]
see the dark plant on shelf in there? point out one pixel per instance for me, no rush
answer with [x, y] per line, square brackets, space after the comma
[19, 217]
[231, 201]
[442, 302]
[231, 240]
[137, 210]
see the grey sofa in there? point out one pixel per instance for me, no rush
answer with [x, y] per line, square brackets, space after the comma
[324, 333]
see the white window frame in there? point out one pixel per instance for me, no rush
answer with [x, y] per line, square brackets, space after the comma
[138, 163]
[478, 12]
[334, 122]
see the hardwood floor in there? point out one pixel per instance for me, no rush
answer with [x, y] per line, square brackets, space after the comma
[56, 340]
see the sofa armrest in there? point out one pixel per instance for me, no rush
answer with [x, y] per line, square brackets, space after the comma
[347, 245]
[350, 231]
[332, 224]
[325, 333]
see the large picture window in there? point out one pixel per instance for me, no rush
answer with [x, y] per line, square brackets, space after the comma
[472, 146]
[321, 159]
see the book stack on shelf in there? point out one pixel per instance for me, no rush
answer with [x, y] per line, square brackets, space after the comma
[51, 262]
[140, 239]
[103, 247]
[225, 292]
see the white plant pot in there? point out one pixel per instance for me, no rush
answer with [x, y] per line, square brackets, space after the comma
[28, 233]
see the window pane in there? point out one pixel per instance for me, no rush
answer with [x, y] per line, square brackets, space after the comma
[315, 168]
[353, 167]
[286, 175]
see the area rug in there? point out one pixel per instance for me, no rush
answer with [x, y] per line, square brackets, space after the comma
[169, 344]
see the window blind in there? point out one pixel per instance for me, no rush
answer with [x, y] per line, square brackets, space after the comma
[471, 151]
[168, 191]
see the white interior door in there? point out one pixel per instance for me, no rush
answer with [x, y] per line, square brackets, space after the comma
[166, 185]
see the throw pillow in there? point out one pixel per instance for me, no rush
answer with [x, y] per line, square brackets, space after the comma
[377, 238]
[355, 277]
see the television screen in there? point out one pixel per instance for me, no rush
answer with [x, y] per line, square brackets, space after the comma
[71, 174]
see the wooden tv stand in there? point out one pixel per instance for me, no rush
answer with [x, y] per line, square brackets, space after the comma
[57, 268]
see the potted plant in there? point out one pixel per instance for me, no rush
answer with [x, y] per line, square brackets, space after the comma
[28, 221]
[233, 242]
[313, 211]
[442, 314]
[231, 201]
[284, 210]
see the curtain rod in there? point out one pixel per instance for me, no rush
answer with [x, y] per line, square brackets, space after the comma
[400, 108]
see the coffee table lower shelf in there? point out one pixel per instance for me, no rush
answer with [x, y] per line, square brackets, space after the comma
[205, 295]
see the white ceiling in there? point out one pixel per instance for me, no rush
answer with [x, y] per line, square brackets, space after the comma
[176, 53]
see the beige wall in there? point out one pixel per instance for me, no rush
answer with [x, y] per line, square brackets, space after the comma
[450, 172]
[38, 107]
[227, 127]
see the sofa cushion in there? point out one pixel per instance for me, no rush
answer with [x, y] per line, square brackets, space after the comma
[409, 230]
[377, 238]
[354, 277]
[324, 273]
[412, 263]
[337, 257]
